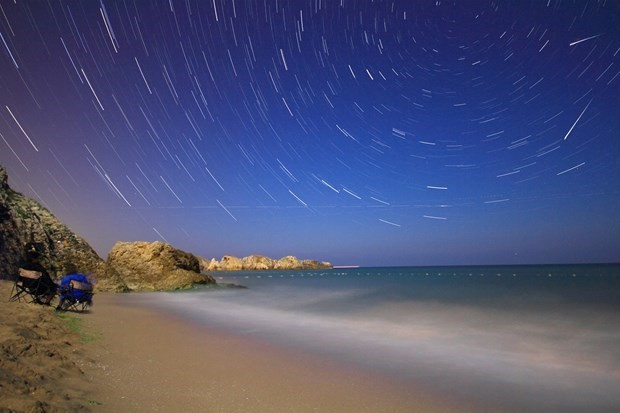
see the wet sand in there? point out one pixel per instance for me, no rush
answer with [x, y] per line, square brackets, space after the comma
[151, 361]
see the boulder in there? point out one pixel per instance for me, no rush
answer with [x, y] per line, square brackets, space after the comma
[155, 266]
[24, 223]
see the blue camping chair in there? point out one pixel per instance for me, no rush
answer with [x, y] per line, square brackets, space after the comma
[75, 295]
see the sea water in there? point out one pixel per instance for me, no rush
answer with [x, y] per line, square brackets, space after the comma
[519, 338]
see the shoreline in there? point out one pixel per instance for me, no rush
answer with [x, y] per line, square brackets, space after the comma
[128, 355]
[151, 360]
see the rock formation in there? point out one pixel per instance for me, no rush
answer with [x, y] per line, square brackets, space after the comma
[230, 263]
[315, 265]
[288, 263]
[260, 262]
[144, 266]
[293, 263]
[212, 265]
[151, 266]
[24, 223]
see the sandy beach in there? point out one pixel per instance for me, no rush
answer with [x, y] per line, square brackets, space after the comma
[130, 357]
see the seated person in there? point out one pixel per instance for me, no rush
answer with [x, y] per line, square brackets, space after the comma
[43, 288]
[66, 292]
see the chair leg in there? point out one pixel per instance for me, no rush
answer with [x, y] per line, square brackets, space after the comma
[69, 305]
[19, 294]
[14, 293]
[62, 306]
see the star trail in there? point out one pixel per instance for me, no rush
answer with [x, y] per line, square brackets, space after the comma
[359, 132]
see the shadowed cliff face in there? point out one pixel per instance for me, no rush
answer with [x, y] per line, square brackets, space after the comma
[24, 223]
[10, 243]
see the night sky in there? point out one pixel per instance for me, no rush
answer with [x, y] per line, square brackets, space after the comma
[359, 132]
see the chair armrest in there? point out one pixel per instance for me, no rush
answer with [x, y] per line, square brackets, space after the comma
[33, 275]
[81, 286]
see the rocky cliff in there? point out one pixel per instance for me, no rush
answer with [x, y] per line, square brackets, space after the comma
[259, 262]
[151, 266]
[24, 223]
[143, 266]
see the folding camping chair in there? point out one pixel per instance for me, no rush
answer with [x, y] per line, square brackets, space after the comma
[30, 286]
[78, 296]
